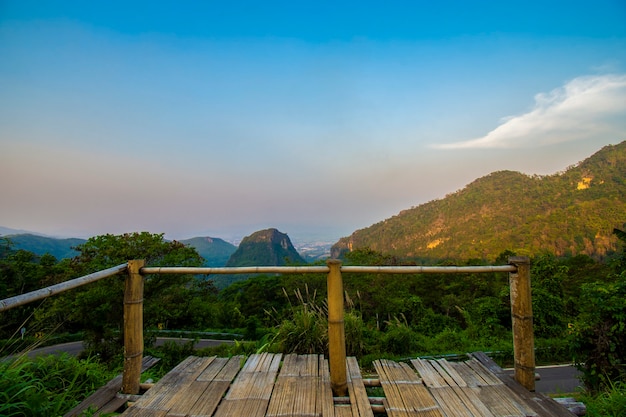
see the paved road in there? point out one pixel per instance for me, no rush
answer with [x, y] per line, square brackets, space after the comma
[75, 348]
[556, 379]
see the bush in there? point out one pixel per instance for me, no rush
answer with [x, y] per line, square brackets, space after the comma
[598, 337]
[399, 339]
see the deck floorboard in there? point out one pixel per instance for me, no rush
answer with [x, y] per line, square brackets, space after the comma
[273, 385]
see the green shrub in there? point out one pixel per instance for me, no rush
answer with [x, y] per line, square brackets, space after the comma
[399, 339]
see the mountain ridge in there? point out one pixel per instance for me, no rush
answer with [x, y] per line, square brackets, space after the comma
[567, 213]
[215, 251]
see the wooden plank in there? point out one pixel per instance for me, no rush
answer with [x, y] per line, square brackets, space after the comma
[431, 377]
[250, 393]
[206, 392]
[405, 393]
[166, 392]
[500, 399]
[469, 390]
[342, 410]
[325, 402]
[187, 390]
[356, 390]
[285, 393]
[298, 388]
[217, 387]
[158, 395]
[144, 412]
[540, 404]
[104, 396]
[442, 387]
[467, 393]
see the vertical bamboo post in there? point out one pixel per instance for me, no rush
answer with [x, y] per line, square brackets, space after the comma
[522, 317]
[133, 327]
[336, 330]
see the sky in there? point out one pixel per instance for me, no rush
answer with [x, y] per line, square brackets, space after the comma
[317, 118]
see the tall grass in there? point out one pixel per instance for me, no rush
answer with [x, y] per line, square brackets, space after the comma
[609, 403]
[47, 386]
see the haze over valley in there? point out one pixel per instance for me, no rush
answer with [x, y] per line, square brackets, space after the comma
[315, 119]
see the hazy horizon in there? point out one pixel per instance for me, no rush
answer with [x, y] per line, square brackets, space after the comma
[211, 119]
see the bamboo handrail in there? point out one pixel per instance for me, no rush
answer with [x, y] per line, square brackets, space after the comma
[233, 270]
[326, 269]
[39, 294]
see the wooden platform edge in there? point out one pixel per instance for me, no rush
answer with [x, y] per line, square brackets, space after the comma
[99, 400]
[543, 405]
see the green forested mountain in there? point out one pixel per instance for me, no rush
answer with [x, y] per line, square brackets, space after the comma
[40, 245]
[265, 248]
[214, 251]
[568, 213]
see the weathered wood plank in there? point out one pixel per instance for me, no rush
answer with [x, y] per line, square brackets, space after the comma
[325, 401]
[167, 389]
[405, 393]
[217, 387]
[288, 389]
[539, 404]
[250, 393]
[343, 410]
[188, 390]
[489, 390]
[356, 390]
[442, 387]
[202, 395]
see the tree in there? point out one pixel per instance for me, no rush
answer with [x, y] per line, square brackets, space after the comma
[97, 308]
[22, 271]
[547, 296]
[598, 337]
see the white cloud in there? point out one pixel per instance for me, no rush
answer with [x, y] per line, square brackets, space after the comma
[586, 107]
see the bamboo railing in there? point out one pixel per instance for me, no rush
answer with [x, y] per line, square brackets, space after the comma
[519, 280]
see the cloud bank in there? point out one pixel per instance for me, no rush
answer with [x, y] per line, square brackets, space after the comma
[585, 107]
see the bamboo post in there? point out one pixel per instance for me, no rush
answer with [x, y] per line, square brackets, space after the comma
[336, 330]
[133, 327]
[522, 317]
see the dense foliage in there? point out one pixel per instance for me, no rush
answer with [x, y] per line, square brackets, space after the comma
[578, 302]
[569, 213]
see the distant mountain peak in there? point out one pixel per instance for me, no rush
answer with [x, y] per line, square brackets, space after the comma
[267, 247]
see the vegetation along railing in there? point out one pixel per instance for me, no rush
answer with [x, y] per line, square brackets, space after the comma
[519, 280]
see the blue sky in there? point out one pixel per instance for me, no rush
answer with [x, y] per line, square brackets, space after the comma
[317, 118]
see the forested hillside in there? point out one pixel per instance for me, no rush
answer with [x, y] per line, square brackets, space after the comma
[568, 213]
[214, 251]
[41, 245]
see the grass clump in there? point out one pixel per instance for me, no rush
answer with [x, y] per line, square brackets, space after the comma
[609, 403]
[47, 385]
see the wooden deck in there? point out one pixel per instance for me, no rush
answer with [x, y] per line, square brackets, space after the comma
[274, 385]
